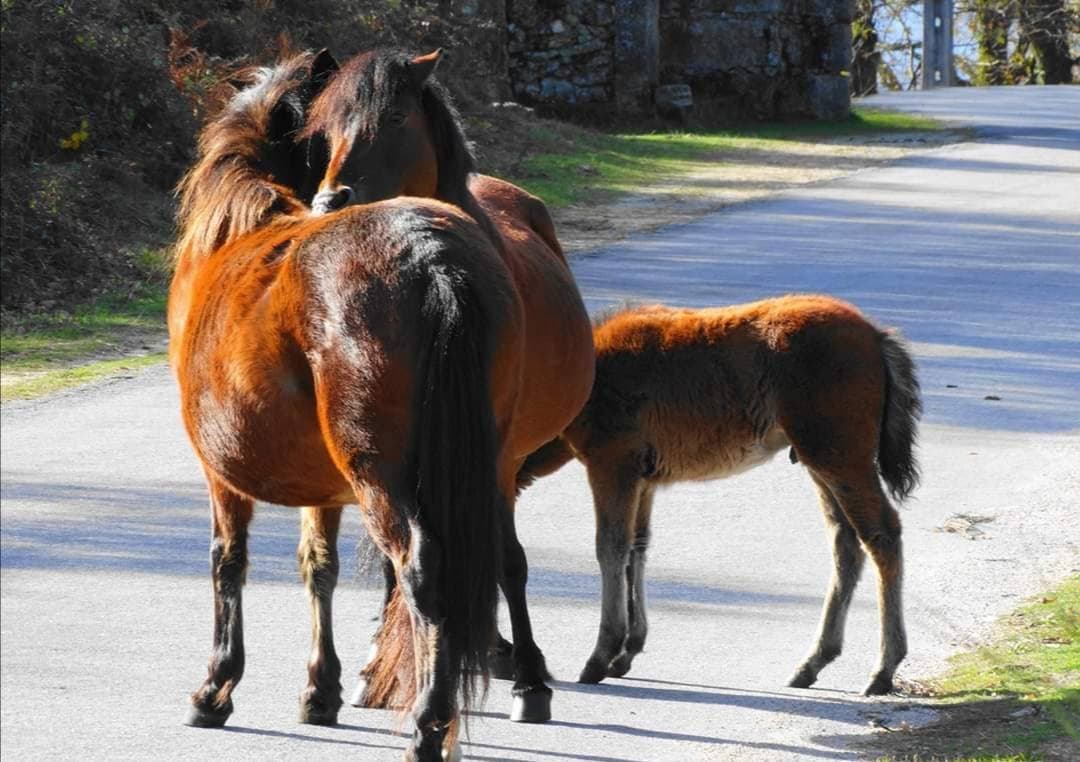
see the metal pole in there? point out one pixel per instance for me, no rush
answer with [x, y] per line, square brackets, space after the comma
[937, 66]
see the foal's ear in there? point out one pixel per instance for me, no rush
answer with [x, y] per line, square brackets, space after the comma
[322, 68]
[423, 66]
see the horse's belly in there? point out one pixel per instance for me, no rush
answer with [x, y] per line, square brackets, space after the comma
[273, 452]
[718, 457]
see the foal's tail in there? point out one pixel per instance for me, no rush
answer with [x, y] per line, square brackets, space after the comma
[455, 447]
[903, 408]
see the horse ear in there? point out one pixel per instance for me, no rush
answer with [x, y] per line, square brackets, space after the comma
[322, 68]
[423, 66]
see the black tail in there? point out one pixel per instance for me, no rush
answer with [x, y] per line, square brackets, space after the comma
[456, 449]
[903, 408]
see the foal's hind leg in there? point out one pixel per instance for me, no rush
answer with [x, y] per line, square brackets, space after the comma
[877, 526]
[231, 514]
[635, 581]
[880, 535]
[847, 564]
[318, 559]
[615, 500]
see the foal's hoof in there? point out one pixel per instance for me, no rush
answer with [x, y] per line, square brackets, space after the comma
[531, 704]
[804, 678]
[594, 672]
[879, 686]
[208, 717]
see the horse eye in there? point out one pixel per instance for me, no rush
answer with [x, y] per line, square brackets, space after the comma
[396, 119]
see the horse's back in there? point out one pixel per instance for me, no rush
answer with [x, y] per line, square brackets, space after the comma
[558, 368]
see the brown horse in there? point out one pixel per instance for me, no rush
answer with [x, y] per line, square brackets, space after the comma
[376, 355]
[693, 395]
[391, 130]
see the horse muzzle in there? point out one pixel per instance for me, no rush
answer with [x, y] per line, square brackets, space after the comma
[331, 200]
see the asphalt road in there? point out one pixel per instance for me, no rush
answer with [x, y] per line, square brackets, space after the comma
[973, 250]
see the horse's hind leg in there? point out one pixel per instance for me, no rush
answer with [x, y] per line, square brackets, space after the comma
[532, 696]
[638, 627]
[877, 527]
[880, 535]
[231, 514]
[847, 564]
[615, 500]
[434, 709]
[318, 559]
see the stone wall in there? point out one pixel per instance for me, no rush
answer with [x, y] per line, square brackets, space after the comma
[561, 53]
[741, 58]
[760, 58]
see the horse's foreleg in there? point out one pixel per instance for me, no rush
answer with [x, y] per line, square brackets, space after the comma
[847, 564]
[318, 560]
[615, 502]
[532, 696]
[231, 514]
[638, 627]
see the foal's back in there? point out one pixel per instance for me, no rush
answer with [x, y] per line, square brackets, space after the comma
[708, 393]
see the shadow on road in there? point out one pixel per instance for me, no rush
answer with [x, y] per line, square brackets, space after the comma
[172, 539]
[991, 299]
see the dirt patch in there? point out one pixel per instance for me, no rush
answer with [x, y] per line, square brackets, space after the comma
[728, 178]
[997, 727]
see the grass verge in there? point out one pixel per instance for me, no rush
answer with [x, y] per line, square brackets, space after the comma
[46, 352]
[36, 385]
[1015, 700]
[566, 168]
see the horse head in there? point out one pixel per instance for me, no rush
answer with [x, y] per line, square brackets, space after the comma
[390, 130]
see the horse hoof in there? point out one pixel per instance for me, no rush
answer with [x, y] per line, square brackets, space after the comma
[620, 665]
[501, 664]
[804, 678]
[879, 686]
[199, 717]
[317, 715]
[532, 705]
[593, 672]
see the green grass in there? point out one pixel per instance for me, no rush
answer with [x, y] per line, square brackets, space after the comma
[1013, 699]
[1037, 660]
[43, 353]
[51, 381]
[606, 163]
[1038, 657]
[38, 342]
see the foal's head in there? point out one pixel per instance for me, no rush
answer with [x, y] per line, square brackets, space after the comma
[390, 130]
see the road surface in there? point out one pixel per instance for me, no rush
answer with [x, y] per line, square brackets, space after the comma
[972, 250]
